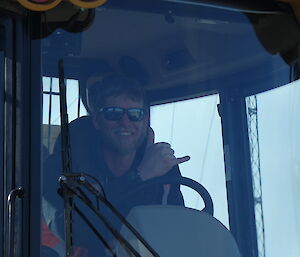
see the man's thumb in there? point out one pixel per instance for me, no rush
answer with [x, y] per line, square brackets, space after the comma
[183, 159]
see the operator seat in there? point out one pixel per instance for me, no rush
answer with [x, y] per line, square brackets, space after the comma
[175, 231]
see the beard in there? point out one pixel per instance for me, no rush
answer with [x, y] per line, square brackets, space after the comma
[122, 146]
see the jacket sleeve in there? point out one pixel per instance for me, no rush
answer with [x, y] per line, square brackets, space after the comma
[175, 196]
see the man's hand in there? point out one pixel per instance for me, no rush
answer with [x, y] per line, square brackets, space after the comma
[158, 160]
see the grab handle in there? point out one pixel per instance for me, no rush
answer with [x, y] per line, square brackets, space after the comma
[9, 237]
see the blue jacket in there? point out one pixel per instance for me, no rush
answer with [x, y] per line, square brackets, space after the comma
[124, 192]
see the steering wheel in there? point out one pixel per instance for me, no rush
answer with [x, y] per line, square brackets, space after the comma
[208, 203]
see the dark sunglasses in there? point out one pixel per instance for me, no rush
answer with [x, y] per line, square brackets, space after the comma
[116, 113]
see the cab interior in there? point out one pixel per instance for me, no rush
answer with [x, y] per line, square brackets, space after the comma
[180, 51]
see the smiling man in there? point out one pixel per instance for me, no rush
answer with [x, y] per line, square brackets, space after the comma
[115, 145]
[121, 114]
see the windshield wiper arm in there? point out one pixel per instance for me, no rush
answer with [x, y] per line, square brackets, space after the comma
[69, 185]
[73, 182]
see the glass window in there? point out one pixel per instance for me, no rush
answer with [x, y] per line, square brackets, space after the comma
[177, 124]
[274, 139]
[182, 55]
[51, 108]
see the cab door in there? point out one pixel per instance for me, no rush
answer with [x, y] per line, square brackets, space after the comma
[2, 83]
[7, 154]
[19, 154]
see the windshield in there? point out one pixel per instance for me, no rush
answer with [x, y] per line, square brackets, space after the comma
[187, 61]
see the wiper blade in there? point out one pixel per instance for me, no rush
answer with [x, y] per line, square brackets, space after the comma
[66, 158]
[64, 120]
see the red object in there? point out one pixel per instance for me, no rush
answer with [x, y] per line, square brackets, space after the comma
[50, 240]
[48, 237]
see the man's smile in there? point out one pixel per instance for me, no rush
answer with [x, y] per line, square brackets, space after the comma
[124, 132]
[123, 136]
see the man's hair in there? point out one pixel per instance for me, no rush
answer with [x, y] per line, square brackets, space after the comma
[114, 85]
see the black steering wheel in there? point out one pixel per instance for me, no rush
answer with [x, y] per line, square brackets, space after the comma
[208, 203]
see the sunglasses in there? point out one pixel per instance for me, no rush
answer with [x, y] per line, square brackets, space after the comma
[116, 113]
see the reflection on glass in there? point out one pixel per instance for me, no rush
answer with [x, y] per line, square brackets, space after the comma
[174, 56]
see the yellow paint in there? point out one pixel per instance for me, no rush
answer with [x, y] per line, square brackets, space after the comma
[87, 5]
[52, 3]
[39, 7]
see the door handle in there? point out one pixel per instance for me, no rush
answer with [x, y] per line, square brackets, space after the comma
[9, 237]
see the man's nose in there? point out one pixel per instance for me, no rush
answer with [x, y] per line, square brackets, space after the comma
[125, 120]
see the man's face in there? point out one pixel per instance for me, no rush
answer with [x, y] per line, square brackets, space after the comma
[121, 136]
